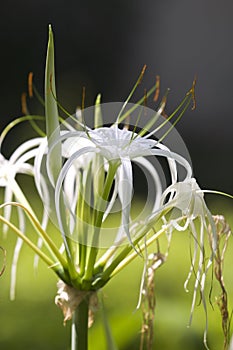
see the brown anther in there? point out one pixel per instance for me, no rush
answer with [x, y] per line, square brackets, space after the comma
[163, 104]
[157, 90]
[192, 92]
[145, 97]
[83, 97]
[142, 74]
[24, 103]
[164, 114]
[30, 84]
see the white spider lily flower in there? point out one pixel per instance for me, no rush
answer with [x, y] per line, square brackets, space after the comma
[117, 147]
[183, 209]
[188, 198]
[18, 163]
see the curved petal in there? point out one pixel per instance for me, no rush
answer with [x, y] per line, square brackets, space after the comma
[25, 157]
[154, 174]
[65, 135]
[25, 147]
[42, 150]
[59, 201]
[171, 162]
[172, 156]
[8, 195]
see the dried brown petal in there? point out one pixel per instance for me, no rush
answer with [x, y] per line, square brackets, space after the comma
[68, 299]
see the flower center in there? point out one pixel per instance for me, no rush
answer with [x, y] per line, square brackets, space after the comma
[115, 143]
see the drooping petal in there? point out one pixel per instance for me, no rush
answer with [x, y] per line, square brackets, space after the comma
[71, 187]
[113, 198]
[155, 176]
[60, 200]
[16, 254]
[125, 190]
[42, 150]
[8, 195]
[173, 156]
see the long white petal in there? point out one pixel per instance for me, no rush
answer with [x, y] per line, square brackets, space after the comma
[171, 162]
[59, 201]
[153, 172]
[64, 136]
[113, 198]
[25, 157]
[17, 251]
[172, 155]
[125, 190]
[24, 147]
[42, 150]
[7, 209]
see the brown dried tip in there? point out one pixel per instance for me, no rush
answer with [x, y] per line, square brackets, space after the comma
[145, 97]
[83, 97]
[223, 235]
[163, 105]
[148, 300]
[192, 92]
[157, 90]
[30, 84]
[142, 74]
[24, 103]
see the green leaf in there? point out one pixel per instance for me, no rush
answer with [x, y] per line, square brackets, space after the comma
[51, 110]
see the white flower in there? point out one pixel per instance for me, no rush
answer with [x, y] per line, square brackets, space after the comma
[188, 198]
[117, 148]
[114, 143]
[18, 163]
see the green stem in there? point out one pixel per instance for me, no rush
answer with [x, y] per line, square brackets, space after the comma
[79, 330]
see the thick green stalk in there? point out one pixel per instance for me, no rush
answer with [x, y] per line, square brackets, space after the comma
[98, 216]
[79, 335]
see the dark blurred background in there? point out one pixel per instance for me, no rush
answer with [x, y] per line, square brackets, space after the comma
[103, 45]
